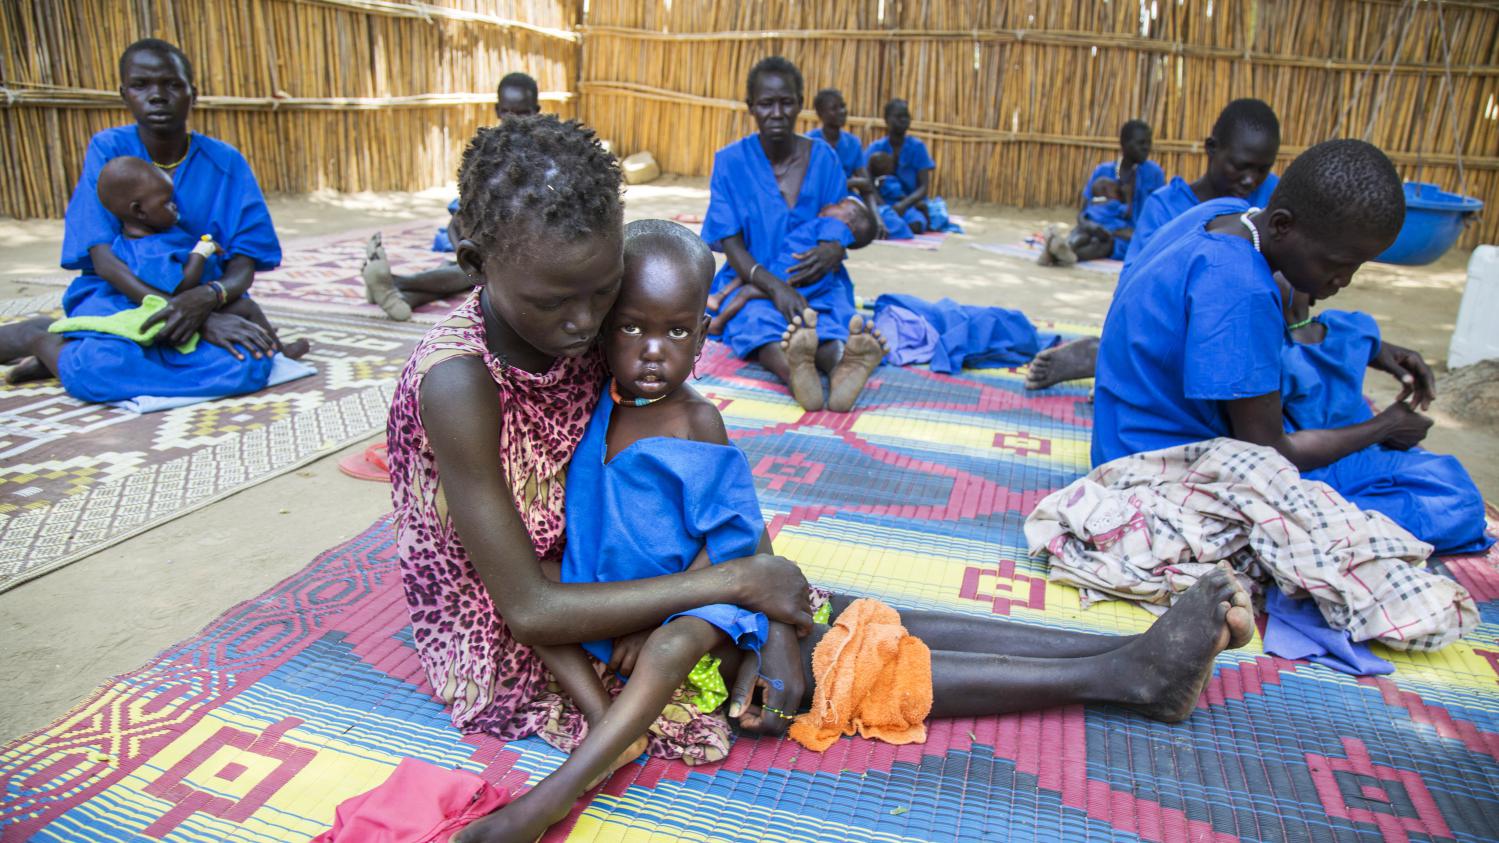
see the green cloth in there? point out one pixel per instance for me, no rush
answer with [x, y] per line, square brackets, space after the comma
[823, 614]
[706, 685]
[126, 323]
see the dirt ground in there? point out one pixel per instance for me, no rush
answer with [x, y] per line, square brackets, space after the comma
[66, 633]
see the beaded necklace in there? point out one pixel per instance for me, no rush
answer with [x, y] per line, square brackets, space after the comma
[630, 402]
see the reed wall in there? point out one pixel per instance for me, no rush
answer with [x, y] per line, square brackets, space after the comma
[341, 94]
[1017, 99]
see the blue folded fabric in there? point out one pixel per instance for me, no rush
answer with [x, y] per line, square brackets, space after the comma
[1297, 630]
[965, 335]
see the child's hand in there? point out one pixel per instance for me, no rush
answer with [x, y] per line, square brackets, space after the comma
[780, 659]
[626, 651]
[1409, 367]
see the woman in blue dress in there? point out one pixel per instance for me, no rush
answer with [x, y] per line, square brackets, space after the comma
[1108, 236]
[908, 189]
[217, 195]
[762, 187]
[1240, 151]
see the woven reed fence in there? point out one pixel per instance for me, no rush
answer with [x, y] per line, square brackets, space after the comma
[341, 94]
[1018, 100]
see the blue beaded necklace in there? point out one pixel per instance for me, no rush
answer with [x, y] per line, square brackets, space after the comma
[630, 402]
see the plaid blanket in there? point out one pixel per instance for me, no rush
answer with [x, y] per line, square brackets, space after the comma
[1144, 527]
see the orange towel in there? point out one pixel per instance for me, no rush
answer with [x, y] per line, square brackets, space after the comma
[872, 677]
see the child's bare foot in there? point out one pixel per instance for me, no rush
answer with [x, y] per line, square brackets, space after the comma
[27, 370]
[379, 287]
[800, 344]
[715, 300]
[1066, 362]
[1171, 662]
[524, 820]
[861, 356]
[296, 349]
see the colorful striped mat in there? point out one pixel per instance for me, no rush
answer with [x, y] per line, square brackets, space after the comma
[257, 728]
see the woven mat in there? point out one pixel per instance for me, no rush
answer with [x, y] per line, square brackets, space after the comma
[259, 726]
[322, 274]
[77, 477]
[1029, 250]
[929, 241]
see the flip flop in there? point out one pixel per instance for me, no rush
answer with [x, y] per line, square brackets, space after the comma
[371, 464]
[690, 219]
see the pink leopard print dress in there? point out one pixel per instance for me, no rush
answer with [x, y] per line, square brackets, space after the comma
[492, 682]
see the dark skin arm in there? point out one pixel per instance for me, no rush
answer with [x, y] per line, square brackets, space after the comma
[185, 314]
[1258, 421]
[461, 412]
[192, 272]
[923, 183]
[786, 298]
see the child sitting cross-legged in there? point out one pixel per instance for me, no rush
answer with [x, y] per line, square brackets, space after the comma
[655, 488]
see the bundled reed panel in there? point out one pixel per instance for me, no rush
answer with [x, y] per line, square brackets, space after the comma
[340, 94]
[1019, 100]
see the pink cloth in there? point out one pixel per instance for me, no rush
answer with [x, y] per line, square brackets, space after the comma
[419, 803]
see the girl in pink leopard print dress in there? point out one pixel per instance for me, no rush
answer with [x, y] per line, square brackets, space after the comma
[485, 418]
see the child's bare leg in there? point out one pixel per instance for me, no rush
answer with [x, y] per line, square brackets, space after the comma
[42, 364]
[433, 284]
[668, 656]
[794, 361]
[862, 354]
[246, 308]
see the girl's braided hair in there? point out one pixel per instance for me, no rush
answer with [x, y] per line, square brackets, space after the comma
[535, 174]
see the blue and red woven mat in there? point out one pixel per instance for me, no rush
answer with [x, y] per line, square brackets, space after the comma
[259, 726]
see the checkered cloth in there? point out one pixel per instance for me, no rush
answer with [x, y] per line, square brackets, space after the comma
[1144, 527]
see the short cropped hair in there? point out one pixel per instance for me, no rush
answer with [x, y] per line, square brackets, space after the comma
[890, 106]
[533, 174]
[1340, 186]
[681, 241]
[158, 47]
[825, 97]
[1131, 127]
[773, 65]
[522, 81]
[1243, 116]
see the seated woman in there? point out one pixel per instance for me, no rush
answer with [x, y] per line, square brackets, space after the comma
[1194, 340]
[1240, 152]
[656, 453]
[913, 174]
[1322, 386]
[216, 195]
[398, 295]
[1104, 228]
[764, 186]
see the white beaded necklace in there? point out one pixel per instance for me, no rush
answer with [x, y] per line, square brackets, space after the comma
[1247, 218]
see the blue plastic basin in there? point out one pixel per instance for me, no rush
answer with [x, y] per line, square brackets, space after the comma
[1433, 222]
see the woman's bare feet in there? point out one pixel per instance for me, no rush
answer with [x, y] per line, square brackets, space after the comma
[800, 344]
[862, 354]
[26, 370]
[16, 338]
[379, 286]
[1171, 662]
[1065, 362]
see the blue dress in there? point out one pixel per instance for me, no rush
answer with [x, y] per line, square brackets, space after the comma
[912, 161]
[1431, 495]
[216, 194]
[1175, 199]
[443, 243]
[745, 200]
[1149, 177]
[159, 259]
[649, 512]
[849, 151]
[952, 336]
[1196, 321]
[896, 225]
